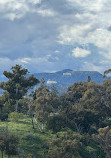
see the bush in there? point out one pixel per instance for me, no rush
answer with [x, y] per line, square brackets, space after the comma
[4, 117]
[15, 116]
[30, 156]
[56, 123]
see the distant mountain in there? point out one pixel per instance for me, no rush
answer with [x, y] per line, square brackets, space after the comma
[63, 79]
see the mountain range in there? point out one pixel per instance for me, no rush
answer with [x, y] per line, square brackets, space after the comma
[65, 78]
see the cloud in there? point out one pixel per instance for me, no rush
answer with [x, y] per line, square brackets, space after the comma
[45, 12]
[35, 1]
[13, 10]
[73, 34]
[23, 60]
[90, 5]
[44, 34]
[90, 27]
[88, 66]
[79, 52]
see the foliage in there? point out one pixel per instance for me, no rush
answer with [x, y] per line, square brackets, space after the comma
[56, 123]
[23, 105]
[15, 116]
[68, 126]
[84, 105]
[4, 117]
[65, 145]
[17, 84]
[104, 139]
[30, 156]
[8, 143]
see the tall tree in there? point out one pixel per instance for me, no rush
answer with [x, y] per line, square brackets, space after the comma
[65, 145]
[89, 79]
[104, 139]
[106, 72]
[18, 83]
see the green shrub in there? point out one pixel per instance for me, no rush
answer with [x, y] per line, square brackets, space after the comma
[4, 117]
[56, 123]
[15, 116]
[30, 156]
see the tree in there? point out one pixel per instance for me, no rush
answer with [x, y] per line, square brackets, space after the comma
[11, 145]
[54, 98]
[91, 109]
[75, 92]
[8, 143]
[104, 139]
[65, 145]
[84, 105]
[2, 144]
[56, 123]
[106, 72]
[89, 79]
[107, 85]
[18, 83]
[30, 156]
[42, 86]
[42, 106]
[107, 96]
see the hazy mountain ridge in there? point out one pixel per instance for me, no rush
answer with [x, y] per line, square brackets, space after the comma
[65, 78]
[70, 76]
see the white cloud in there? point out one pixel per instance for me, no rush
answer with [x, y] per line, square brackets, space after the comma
[13, 16]
[73, 34]
[89, 66]
[12, 9]
[79, 52]
[34, 27]
[91, 26]
[100, 37]
[35, 1]
[89, 5]
[23, 60]
[57, 51]
[45, 12]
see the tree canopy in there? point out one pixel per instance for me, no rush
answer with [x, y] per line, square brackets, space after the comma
[18, 83]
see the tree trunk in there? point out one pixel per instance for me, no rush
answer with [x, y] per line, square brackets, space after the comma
[8, 156]
[33, 122]
[17, 105]
[1, 109]
[40, 126]
[2, 153]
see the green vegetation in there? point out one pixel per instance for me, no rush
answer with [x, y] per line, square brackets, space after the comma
[30, 141]
[46, 125]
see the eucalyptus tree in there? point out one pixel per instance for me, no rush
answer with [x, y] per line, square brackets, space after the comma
[18, 83]
[104, 140]
[106, 72]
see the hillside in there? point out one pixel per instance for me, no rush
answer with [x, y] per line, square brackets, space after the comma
[30, 141]
[48, 125]
[63, 79]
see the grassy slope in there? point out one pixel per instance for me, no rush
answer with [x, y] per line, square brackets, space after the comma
[30, 141]
[34, 142]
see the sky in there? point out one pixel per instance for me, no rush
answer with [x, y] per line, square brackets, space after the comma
[52, 35]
